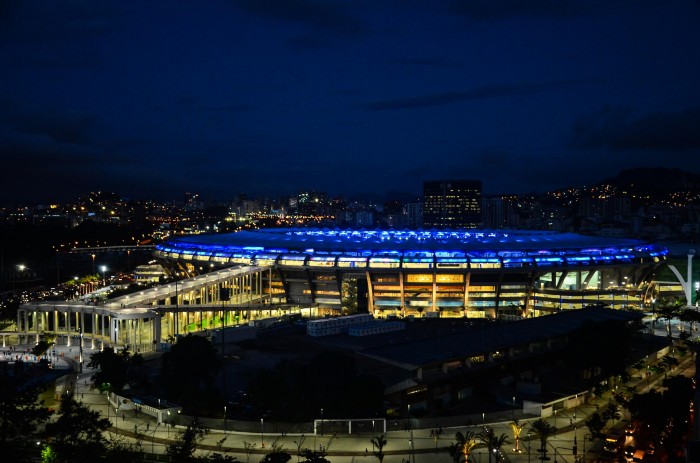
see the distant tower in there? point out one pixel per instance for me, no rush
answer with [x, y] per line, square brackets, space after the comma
[452, 204]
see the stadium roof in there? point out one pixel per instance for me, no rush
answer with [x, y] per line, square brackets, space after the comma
[372, 242]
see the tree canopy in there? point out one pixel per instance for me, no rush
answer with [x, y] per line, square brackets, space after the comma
[114, 369]
[76, 435]
[188, 372]
[21, 412]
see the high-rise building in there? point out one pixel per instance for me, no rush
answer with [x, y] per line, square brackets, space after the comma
[452, 204]
[414, 212]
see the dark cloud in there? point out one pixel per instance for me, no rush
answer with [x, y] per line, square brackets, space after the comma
[440, 99]
[61, 127]
[318, 14]
[619, 130]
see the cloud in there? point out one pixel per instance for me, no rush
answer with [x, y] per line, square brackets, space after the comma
[617, 129]
[59, 126]
[441, 99]
[318, 14]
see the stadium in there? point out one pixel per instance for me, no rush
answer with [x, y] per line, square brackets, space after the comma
[457, 273]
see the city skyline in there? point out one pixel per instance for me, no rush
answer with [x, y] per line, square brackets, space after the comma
[271, 97]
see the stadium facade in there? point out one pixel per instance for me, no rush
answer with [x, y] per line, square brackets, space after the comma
[473, 273]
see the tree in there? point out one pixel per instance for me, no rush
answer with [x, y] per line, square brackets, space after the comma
[543, 430]
[517, 430]
[595, 424]
[493, 442]
[349, 298]
[668, 309]
[184, 445]
[611, 412]
[277, 455]
[462, 448]
[76, 436]
[249, 448]
[314, 456]
[379, 442]
[114, 369]
[20, 409]
[188, 371]
[48, 340]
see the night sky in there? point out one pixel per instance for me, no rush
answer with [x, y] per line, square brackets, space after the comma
[150, 99]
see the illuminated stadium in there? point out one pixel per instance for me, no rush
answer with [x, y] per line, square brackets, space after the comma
[474, 273]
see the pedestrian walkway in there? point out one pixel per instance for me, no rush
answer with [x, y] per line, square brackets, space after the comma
[413, 445]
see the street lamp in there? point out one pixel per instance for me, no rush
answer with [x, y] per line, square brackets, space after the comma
[262, 433]
[321, 421]
[93, 263]
[529, 444]
[21, 268]
[103, 268]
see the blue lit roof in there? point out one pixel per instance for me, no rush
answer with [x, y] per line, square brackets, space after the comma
[412, 244]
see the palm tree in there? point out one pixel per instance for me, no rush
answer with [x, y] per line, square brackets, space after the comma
[492, 442]
[517, 430]
[460, 450]
[690, 315]
[668, 309]
[379, 442]
[544, 431]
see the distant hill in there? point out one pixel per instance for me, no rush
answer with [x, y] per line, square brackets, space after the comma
[654, 181]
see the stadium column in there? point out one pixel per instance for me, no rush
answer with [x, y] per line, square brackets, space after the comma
[82, 322]
[156, 332]
[66, 319]
[370, 290]
[403, 295]
[467, 281]
[93, 322]
[36, 326]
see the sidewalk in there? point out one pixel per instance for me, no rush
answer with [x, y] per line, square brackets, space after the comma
[416, 445]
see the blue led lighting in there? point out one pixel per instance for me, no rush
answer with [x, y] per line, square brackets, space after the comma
[415, 246]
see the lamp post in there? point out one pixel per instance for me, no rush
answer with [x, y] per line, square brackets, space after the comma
[321, 421]
[529, 444]
[93, 264]
[583, 456]
[262, 433]
[104, 278]
[408, 424]
[21, 268]
[373, 434]
[224, 417]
